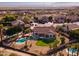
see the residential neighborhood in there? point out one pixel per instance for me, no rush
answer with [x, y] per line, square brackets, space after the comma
[39, 31]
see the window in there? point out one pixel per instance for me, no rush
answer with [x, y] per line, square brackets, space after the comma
[41, 35]
[36, 34]
[47, 36]
[50, 35]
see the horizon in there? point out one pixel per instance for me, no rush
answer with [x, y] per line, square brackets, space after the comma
[38, 4]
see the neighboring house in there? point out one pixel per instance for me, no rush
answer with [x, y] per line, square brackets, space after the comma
[44, 32]
[17, 22]
[73, 18]
[41, 19]
[69, 27]
[59, 19]
[41, 25]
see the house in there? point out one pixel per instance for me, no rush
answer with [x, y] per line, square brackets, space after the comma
[73, 18]
[59, 19]
[69, 27]
[11, 22]
[41, 19]
[17, 22]
[44, 32]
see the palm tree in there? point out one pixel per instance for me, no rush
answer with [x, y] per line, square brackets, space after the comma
[72, 48]
[77, 47]
[50, 46]
[78, 51]
[50, 18]
[68, 46]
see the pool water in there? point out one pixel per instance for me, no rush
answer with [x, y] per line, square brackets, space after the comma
[21, 40]
[73, 50]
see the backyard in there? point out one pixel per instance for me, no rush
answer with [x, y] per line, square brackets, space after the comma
[52, 43]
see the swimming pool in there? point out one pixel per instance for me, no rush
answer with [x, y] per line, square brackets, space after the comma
[72, 50]
[21, 40]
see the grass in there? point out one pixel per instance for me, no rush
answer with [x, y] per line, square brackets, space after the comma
[53, 43]
[41, 43]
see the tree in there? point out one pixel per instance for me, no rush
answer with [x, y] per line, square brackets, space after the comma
[50, 18]
[13, 30]
[36, 19]
[9, 18]
[76, 46]
[67, 20]
[68, 47]
[62, 40]
[50, 46]
[27, 19]
[74, 34]
[77, 49]
[73, 46]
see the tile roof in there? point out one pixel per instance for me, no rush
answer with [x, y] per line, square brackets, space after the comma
[45, 30]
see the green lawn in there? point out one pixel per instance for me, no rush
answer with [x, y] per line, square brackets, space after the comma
[52, 43]
[41, 43]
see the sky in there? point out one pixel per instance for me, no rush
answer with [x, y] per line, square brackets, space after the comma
[38, 4]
